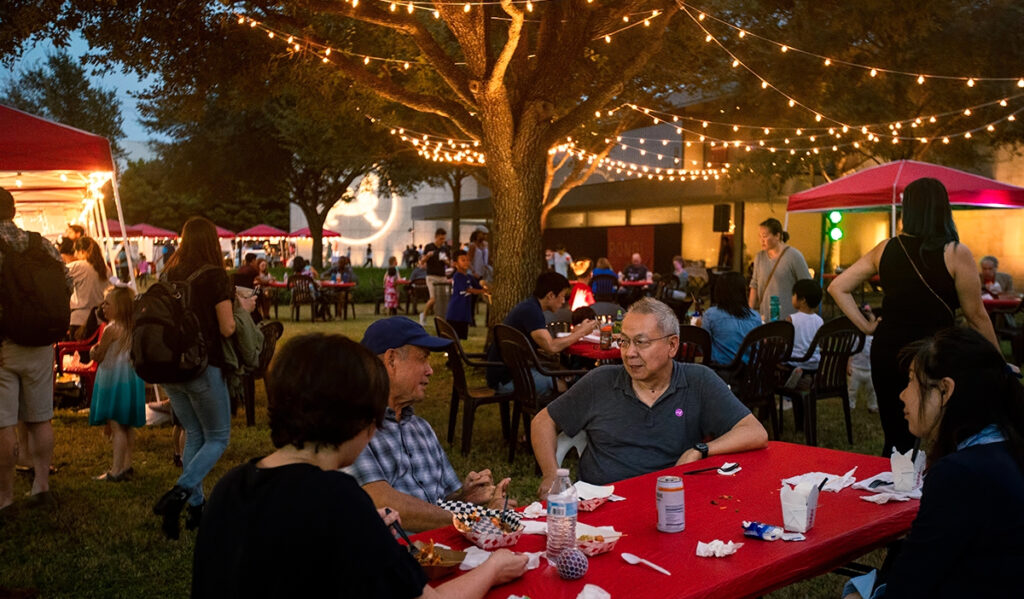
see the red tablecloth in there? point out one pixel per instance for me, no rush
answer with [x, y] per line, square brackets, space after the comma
[845, 528]
[635, 283]
[1007, 304]
[593, 351]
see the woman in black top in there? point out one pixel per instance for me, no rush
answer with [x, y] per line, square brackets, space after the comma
[926, 274]
[292, 524]
[968, 537]
[202, 404]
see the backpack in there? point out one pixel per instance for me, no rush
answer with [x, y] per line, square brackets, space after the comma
[34, 294]
[167, 341]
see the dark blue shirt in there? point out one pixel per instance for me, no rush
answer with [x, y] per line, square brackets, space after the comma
[460, 305]
[527, 316]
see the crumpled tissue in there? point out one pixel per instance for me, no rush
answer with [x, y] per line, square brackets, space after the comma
[535, 527]
[589, 491]
[717, 548]
[592, 591]
[884, 493]
[835, 483]
[534, 510]
[476, 556]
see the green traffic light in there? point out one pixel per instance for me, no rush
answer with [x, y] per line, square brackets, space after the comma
[835, 217]
[836, 234]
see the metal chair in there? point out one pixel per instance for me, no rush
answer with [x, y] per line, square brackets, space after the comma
[753, 375]
[470, 397]
[694, 345]
[838, 340]
[520, 358]
[303, 291]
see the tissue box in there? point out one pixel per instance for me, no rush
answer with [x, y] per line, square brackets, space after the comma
[906, 475]
[799, 504]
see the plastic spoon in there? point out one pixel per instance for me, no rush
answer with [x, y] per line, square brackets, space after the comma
[633, 559]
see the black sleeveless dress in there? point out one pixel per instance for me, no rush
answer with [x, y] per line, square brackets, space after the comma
[910, 312]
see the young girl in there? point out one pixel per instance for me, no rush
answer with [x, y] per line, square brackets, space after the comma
[391, 291]
[119, 395]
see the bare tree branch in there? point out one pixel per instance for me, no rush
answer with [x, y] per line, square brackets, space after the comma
[515, 29]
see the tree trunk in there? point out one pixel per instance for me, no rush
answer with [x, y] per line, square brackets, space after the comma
[316, 231]
[517, 188]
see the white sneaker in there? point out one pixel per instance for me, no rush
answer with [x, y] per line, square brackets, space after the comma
[423, 318]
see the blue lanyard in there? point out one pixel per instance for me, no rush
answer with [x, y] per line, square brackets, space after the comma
[989, 434]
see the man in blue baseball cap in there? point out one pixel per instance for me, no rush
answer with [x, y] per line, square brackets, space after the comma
[404, 467]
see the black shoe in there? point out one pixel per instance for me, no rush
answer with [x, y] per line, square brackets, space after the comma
[169, 506]
[177, 461]
[194, 515]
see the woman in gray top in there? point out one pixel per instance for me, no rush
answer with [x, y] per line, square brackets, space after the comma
[788, 265]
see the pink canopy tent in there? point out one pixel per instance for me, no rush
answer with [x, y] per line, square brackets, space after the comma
[304, 232]
[148, 230]
[262, 232]
[882, 187]
[224, 233]
[129, 231]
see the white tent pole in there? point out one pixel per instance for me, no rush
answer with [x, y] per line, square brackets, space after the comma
[124, 229]
[895, 184]
[108, 251]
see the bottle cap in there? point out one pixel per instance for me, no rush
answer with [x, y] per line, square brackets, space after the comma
[562, 472]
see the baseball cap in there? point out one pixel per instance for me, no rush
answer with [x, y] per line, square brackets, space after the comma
[396, 331]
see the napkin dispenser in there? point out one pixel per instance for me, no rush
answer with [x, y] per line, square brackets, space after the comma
[799, 504]
[907, 474]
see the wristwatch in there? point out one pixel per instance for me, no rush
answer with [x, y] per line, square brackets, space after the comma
[703, 449]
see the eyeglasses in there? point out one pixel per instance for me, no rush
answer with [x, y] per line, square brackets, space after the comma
[641, 344]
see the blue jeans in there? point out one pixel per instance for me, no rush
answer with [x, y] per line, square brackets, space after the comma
[203, 407]
[541, 383]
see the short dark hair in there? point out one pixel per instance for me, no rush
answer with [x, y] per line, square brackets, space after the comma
[583, 313]
[809, 291]
[66, 246]
[458, 253]
[440, 231]
[307, 407]
[775, 228]
[78, 229]
[928, 215]
[6, 204]
[250, 258]
[550, 282]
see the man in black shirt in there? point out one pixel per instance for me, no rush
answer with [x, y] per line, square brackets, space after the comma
[435, 257]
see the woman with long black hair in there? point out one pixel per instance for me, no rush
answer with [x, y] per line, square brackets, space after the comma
[926, 274]
[90, 276]
[201, 404]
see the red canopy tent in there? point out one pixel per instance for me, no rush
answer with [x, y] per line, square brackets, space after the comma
[129, 231]
[224, 233]
[304, 232]
[262, 232]
[148, 230]
[882, 187]
[56, 174]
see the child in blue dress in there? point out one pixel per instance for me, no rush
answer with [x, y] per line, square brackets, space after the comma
[460, 306]
[119, 395]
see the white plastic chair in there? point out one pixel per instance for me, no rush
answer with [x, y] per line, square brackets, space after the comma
[564, 443]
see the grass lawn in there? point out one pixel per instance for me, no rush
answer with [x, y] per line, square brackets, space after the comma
[103, 540]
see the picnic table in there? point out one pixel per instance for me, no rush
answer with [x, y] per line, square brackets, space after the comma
[845, 528]
[331, 286]
[593, 351]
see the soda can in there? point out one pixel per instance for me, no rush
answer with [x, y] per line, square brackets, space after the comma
[671, 504]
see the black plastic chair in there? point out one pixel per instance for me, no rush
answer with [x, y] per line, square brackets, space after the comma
[838, 340]
[754, 381]
[520, 358]
[606, 288]
[470, 397]
[272, 331]
[303, 291]
[415, 292]
[694, 345]
[1007, 326]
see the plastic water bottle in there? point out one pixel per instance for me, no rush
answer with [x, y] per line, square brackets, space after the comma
[773, 308]
[562, 506]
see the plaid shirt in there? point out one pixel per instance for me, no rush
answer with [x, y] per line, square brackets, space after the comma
[407, 455]
[18, 239]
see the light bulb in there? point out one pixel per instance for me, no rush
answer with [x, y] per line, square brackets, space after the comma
[920, 79]
[874, 72]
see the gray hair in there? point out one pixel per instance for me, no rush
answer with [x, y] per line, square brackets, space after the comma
[668, 323]
[992, 259]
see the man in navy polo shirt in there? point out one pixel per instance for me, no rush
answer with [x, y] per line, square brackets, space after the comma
[549, 294]
[404, 467]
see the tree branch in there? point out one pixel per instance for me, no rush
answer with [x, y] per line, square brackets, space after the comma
[515, 29]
